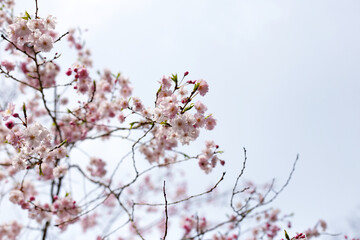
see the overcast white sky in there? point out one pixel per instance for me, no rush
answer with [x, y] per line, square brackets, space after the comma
[284, 79]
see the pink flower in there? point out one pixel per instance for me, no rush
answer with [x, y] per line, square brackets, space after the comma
[16, 196]
[200, 107]
[44, 43]
[59, 171]
[165, 83]
[8, 65]
[210, 123]
[204, 163]
[83, 73]
[203, 87]
[50, 22]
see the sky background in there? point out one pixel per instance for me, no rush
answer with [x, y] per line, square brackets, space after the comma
[284, 79]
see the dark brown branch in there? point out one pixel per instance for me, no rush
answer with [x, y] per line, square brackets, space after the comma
[166, 213]
[61, 37]
[37, 9]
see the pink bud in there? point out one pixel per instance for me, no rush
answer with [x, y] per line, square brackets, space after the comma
[15, 115]
[9, 124]
[32, 198]
[68, 72]
[186, 73]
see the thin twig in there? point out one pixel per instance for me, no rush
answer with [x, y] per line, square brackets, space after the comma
[185, 199]
[166, 214]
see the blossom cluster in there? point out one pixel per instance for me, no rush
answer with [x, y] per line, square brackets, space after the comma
[10, 230]
[97, 167]
[209, 159]
[37, 34]
[33, 144]
[174, 121]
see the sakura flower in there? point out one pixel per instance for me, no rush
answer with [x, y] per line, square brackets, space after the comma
[204, 163]
[203, 87]
[10, 230]
[210, 123]
[97, 167]
[44, 43]
[59, 171]
[165, 82]
[35, 24]
[50, 22]
[8, 112]
[36, 134]
[200, 107]
[16, 196]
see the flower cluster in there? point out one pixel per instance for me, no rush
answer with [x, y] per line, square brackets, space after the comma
[97, 167]
[172, 115]
[47, 72]
[34, 147]
[34, 33]
[194, 223]
[10, 230]
[209, 159]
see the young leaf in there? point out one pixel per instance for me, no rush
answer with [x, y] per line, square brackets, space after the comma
[188, 108]
[174, 78]
[132, 124]
[286, 235]
[40, 171]
[196, 86]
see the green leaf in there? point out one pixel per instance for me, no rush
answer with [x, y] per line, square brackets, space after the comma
[67, 194]
[159, 90]
[40, 171]
[24, 111]
[165, 123]
[188, 108]
[94, 86]
[27, 16]
[208, 116]
[174, 78]
[62, 143]
[286, 235]
[196, 86]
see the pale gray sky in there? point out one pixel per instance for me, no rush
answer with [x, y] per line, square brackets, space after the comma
[284, 79]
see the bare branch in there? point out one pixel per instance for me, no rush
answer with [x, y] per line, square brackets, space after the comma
[166, 213]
